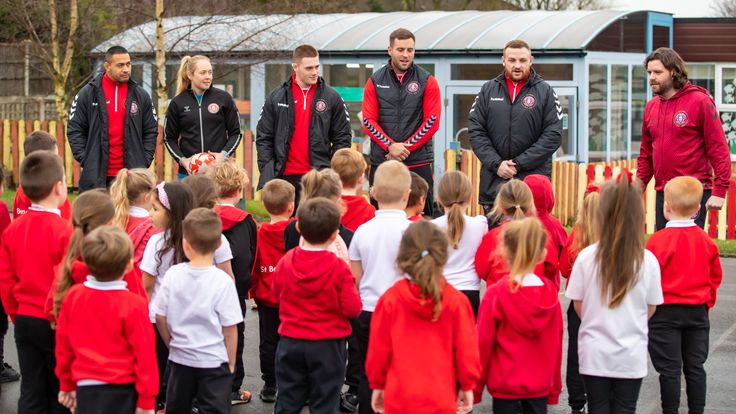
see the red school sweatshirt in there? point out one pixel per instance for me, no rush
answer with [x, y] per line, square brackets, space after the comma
[104, 334]
[33, 247]
[359, 210]
[22, 204]
[410, 354]
[520, 341]
[568, 256]
[140, 236]
[544, 201]
[690, 265]
[491, 265]
[316, 295]
[269, 250]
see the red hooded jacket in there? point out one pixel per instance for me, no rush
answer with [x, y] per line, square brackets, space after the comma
[544, 201]
[683, 135]
[316, 294]
[491, 265]
[520, 341]
[409, 354]
[269, 250]
[359, 210]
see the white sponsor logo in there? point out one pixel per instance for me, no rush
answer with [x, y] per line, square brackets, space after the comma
[383, 86]
[283, 105]
[497, 99]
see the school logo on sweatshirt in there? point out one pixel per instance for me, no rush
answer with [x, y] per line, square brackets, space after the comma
[321, 105]
[213, 108]
[529, 101]
[133, 108]
[681, 118]
[412, 87]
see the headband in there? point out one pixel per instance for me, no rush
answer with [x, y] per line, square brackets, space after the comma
[162, 197]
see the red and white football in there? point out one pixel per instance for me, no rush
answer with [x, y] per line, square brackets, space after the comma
[199, 163]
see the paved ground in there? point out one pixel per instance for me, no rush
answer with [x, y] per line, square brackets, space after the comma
[721, 364]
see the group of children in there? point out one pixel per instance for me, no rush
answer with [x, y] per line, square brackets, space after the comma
[135, 301]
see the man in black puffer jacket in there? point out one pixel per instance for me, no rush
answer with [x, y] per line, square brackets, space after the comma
[302, 123]
[112, 124]
[514, 124]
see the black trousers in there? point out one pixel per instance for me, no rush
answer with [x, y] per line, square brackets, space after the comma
[352, 373]
[3, 332]
[661, 222]
[474, 299]
[210, 386]
[678, 342]
[296, 181]
[268, 327]
[573, 380]
[426, 172]
[309, 371]
[239, 365]
[108, 398]
[39, 387]
[162, 359]
[528, 406]
[612, 395]
[362, 330]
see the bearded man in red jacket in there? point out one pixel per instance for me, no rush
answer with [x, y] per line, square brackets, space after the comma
[682, 135]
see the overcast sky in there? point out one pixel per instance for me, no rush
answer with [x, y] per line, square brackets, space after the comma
[680, 8]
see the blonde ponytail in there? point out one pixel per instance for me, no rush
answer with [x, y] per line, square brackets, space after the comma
[524, 242]
[453, 193]
[187, 66]
[514, 200]
[127, 187]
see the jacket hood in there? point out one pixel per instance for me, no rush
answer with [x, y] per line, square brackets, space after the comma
[310, 272]
[686, 90]
[230, 216]
[530, 309]
[273, 233]
[409, 295]
[544, 197]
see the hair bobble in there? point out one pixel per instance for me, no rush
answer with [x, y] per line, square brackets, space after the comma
[162, 197]
[592, 188]
[128, 173]
[425, 253]
[518, 207]
[627, 174]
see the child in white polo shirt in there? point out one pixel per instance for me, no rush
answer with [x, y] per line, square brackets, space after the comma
[373, 252]
[196, 313]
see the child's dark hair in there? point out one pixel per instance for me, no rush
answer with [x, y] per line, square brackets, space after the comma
[39, 173]
[419, 189]
[107, 252]
[423, 255]
[127, 187]
[453, 194]
[90, 210]
[524, 242]
[202, 229]
[203, 189]
[179, 202]
[277, 194]
[38, 141]
[318, 219]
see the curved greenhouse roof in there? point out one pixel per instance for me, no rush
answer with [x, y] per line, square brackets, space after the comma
[436, 31]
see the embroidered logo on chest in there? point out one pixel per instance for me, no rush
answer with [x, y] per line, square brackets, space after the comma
[681, 118]
[412, 87]
[213, 108]
[529, 101]
[320, 105]
[133, 108]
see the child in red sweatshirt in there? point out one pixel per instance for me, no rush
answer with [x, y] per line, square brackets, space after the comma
[520, 328]
[317, 299]
[240, 230]
[691, 273]
[278, 199]
[422, 334]
[350, 166]
[33, 247]
[544, 202]
[104, 342]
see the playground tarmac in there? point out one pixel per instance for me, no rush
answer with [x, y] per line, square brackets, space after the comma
[721, 364]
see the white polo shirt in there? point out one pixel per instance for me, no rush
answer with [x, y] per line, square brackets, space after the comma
[375, 245]
[150, 265]
[460, 268]
[612, 342]
[198, 302]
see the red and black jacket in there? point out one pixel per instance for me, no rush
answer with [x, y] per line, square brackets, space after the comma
[240, 230]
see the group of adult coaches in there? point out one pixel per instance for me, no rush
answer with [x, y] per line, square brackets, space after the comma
[514, 123]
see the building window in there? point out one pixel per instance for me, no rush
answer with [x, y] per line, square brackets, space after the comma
[728, 119]
[704, 76]
[619, 112]
[728, 86]
[475, 71]
[638, 103]
[348, 80]
[597, 112]
[554, 71]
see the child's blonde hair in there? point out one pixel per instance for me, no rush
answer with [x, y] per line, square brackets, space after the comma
[203, 189]
[453, 194]
[349, 165]
[524, 242]
[514, 200]
[276, 195]
[325, 183]
[188, 65]
[229, 178]
[128, 186]
[423, 255]
[586, 224]
[683, 194]
[391, 182]
[90, 210]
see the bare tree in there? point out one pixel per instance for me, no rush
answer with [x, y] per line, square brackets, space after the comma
[161, 92]
[724, 8]
[558, 4]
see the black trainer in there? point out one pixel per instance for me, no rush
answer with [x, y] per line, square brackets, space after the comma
[268, 394]
[349, 402]
[8, 374]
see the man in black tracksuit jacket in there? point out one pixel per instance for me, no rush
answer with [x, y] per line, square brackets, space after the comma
[87, 130]
[297, 133]
[514, 136]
